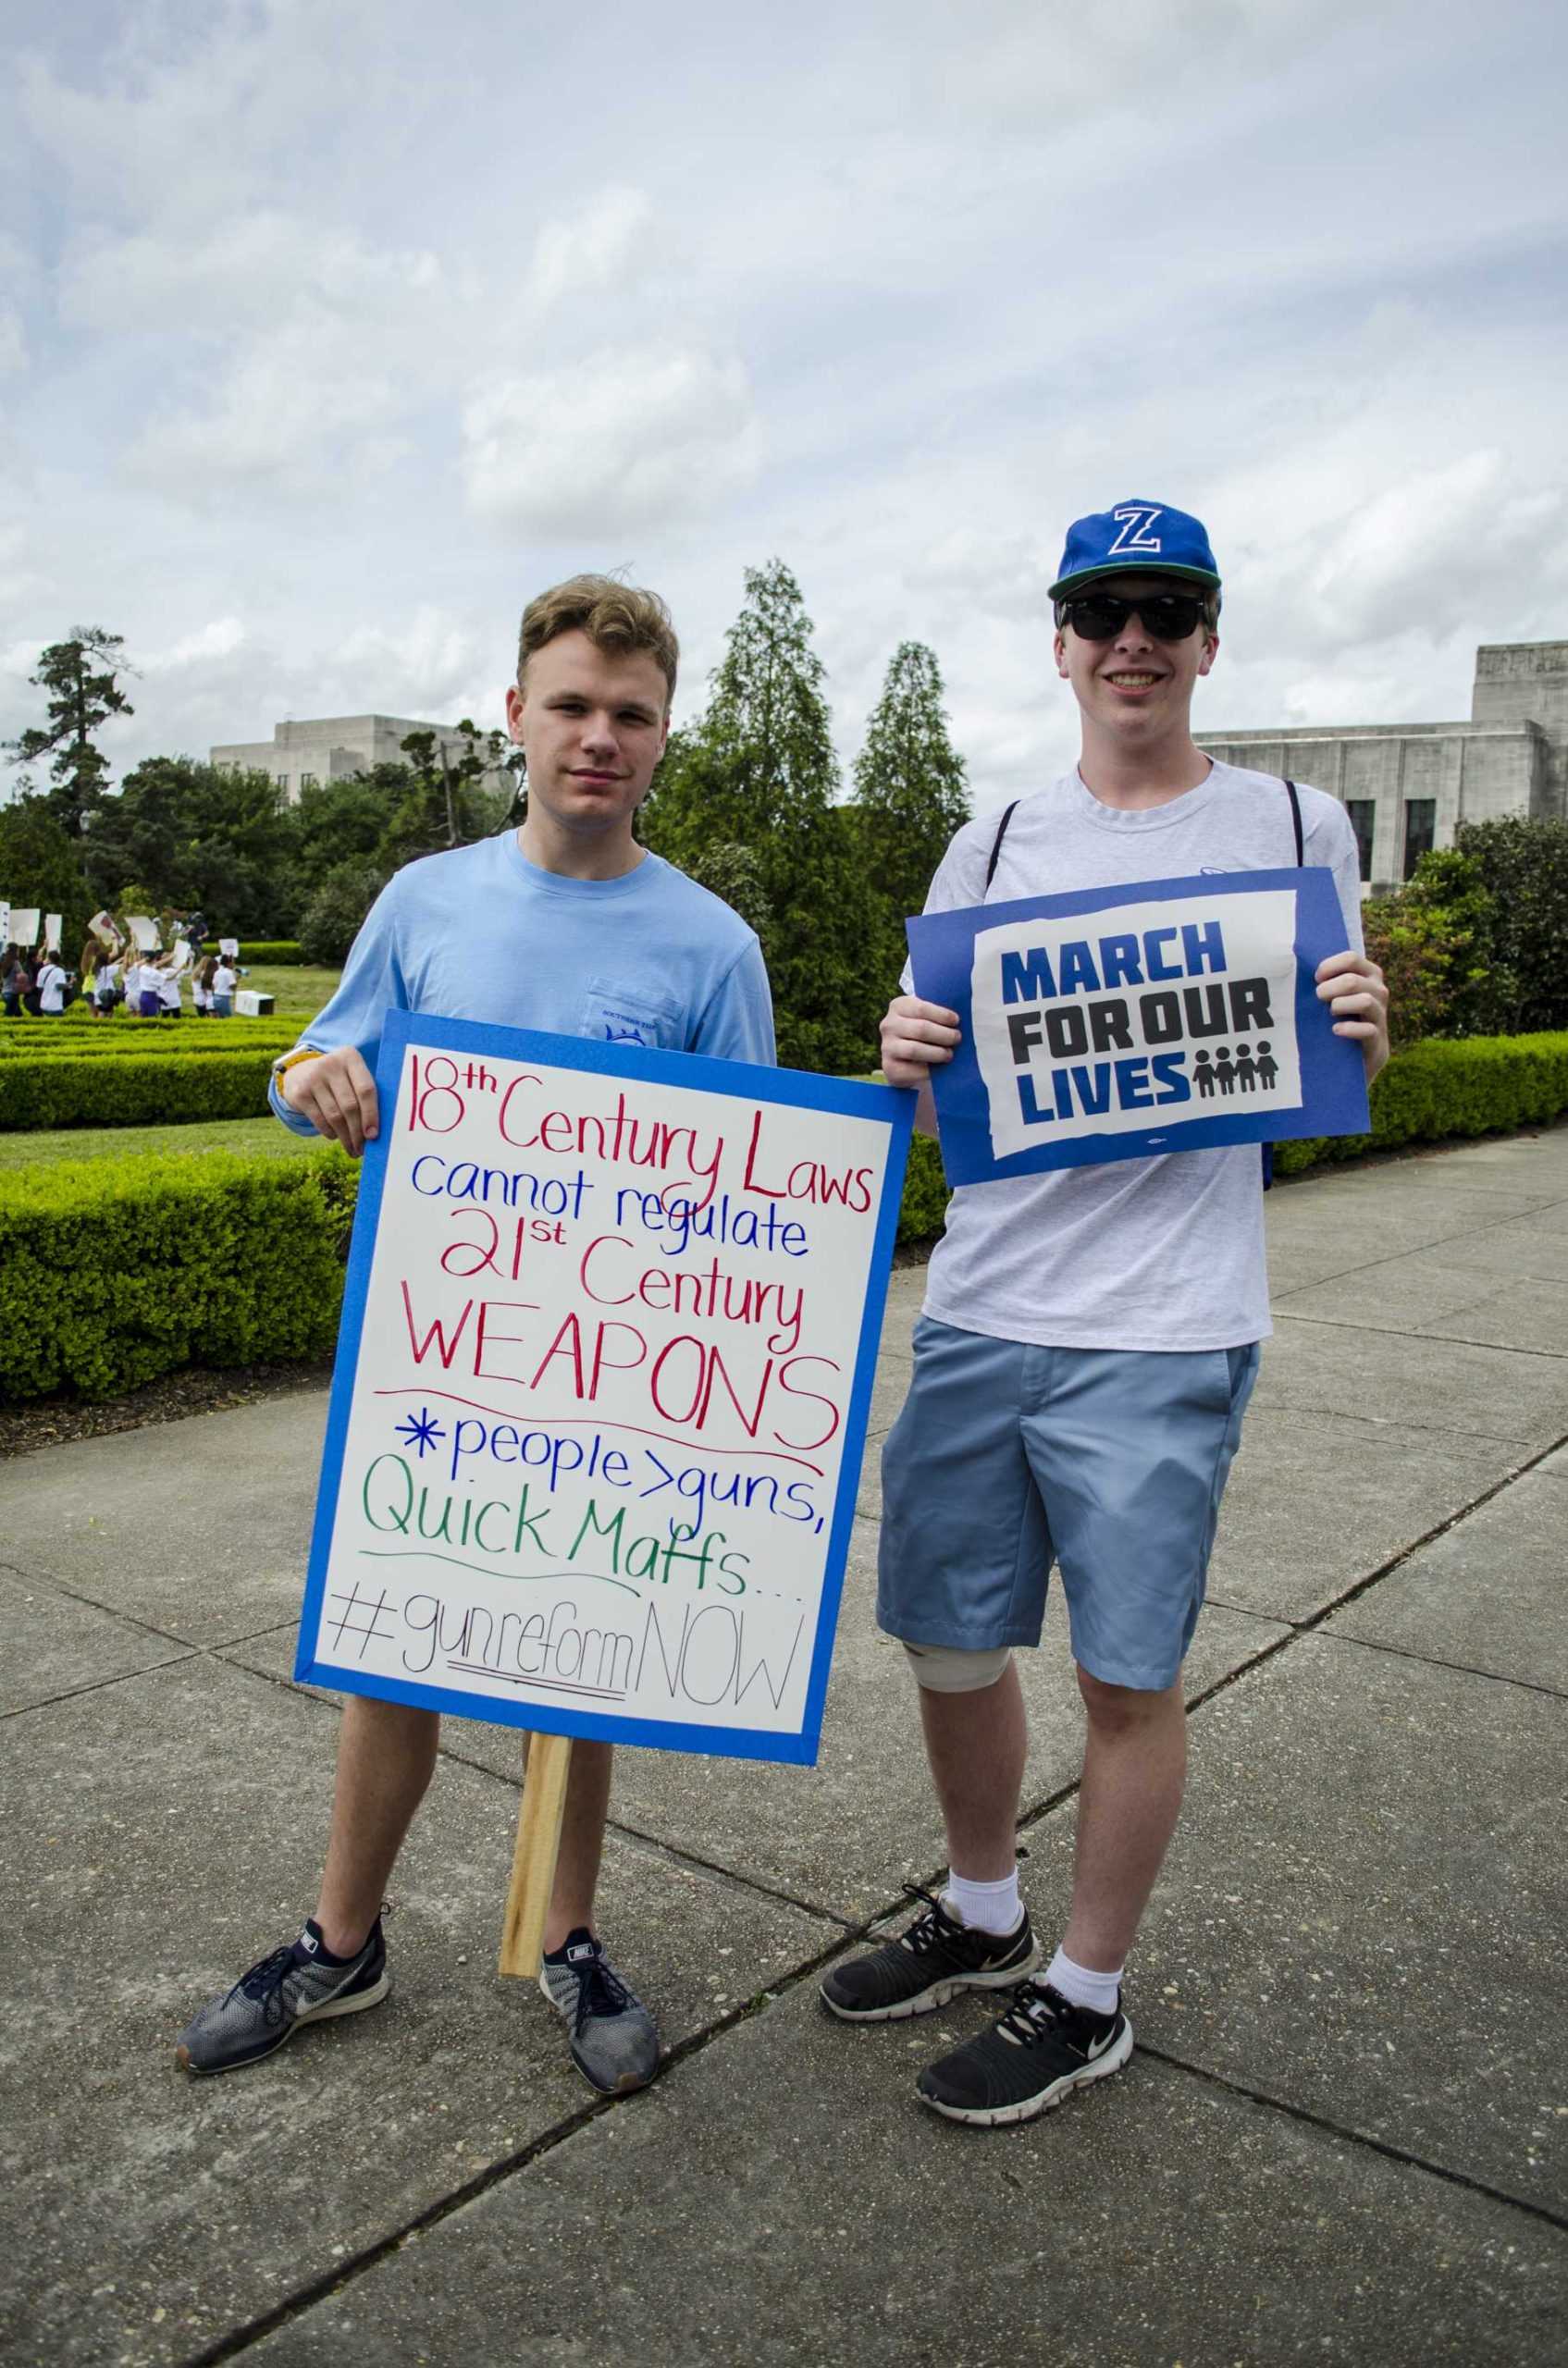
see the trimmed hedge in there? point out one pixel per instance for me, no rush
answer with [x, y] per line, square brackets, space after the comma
[159, 1088]
[278, 953]
[159, 1043]
[41, 1039]
[926, 1190]
[114, 1271]
[1430, 1092]
[1441, 1088]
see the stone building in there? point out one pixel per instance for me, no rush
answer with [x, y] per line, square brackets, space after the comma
[329, 747]
[1406, 786]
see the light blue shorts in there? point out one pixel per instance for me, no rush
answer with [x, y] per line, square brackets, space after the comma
[1110, 1462]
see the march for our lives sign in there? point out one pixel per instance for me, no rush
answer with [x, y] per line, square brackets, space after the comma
[607, 1342]
[1118, 1022]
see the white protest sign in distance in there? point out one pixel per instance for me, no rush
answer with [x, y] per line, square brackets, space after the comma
[608, 1345]
[1106, 1023]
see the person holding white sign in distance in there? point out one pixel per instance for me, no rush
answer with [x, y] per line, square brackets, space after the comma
[1089, 1342]
[570, 925]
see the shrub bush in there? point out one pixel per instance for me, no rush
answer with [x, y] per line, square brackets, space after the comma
[155, 1089]
[114, 1271]
[925, 1193]
[278, 953]
[148, 1042]
[1476, 1085]
[1523, 866]
[333, 919]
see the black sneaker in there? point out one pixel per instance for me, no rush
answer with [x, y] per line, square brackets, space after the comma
[614, 2042]
[1043, 2048]
[294, 1985]
[929, 1964]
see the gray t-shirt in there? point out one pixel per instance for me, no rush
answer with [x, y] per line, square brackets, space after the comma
[1135, 1254]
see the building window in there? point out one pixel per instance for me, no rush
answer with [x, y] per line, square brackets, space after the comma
[307, 780]
[1420, 823]
[1362, 813]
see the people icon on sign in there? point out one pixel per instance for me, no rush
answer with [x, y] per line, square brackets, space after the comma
[1250, 1072]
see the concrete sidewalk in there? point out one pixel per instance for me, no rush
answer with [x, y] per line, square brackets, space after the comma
[1344, 2136]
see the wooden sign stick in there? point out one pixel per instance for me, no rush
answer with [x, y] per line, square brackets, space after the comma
[533, 1864]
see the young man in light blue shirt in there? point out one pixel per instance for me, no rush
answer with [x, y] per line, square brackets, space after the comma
[567, 925]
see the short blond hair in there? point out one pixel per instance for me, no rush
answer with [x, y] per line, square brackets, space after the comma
[617, 618]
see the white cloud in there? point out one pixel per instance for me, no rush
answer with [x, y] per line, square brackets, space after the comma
[13, 344]
[284, 417]
[580, 255]
[315, 300]
[246, 271]
[620, 439]
[219, 639]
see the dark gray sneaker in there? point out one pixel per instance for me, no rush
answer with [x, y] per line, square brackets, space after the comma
[926, 1965]
[1043, 2048]
[294, 1985]
[615, 2044]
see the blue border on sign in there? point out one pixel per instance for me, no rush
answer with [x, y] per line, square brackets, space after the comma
[1333, 1074]
[790, 1089]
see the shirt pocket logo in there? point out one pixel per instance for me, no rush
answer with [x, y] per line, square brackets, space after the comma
[617, 1015]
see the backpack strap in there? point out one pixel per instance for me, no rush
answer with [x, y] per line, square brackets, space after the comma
[996, 848]
[1268, 1149]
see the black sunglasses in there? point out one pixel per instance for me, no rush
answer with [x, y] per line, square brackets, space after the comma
[1166, 616]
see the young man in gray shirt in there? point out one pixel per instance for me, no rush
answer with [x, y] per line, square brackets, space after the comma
[1089, 1342]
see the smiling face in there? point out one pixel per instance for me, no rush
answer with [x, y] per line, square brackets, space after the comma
[592, 724]
[1136, 687]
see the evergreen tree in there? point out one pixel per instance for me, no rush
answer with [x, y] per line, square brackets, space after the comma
[341, 822]
[41, 864]
[759, 775]
[1523, 864]
[909, 785]
[449, 801]
[80, 677]
[206, 838]
[333, 917]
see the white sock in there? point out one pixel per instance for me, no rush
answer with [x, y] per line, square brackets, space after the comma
[984, 1907]
[1084, 1987]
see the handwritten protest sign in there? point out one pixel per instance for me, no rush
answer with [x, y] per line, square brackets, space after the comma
[1117, 1022]
[607, 1342]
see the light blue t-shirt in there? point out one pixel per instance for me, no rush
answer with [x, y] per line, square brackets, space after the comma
[482, 933]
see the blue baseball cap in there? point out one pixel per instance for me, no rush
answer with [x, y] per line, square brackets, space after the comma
[1133, 535]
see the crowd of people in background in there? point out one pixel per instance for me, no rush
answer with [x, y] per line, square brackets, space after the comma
[36, 985]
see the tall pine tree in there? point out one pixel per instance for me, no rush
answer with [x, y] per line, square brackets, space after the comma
[758, 779]
[910, 794]
[80, 677]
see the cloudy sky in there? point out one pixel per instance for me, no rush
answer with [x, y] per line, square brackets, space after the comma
[329, 329]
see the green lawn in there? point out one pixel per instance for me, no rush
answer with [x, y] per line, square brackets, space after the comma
[300, 993]
[266, 1135]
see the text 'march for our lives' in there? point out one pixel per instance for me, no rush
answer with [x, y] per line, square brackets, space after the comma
[1113, 1023]
[609, 1337]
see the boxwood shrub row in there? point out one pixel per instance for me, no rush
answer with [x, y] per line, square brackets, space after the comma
[159, 1090]
[277, 953]
[158, 1043]
[1431, 1091]
[114, 1271]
